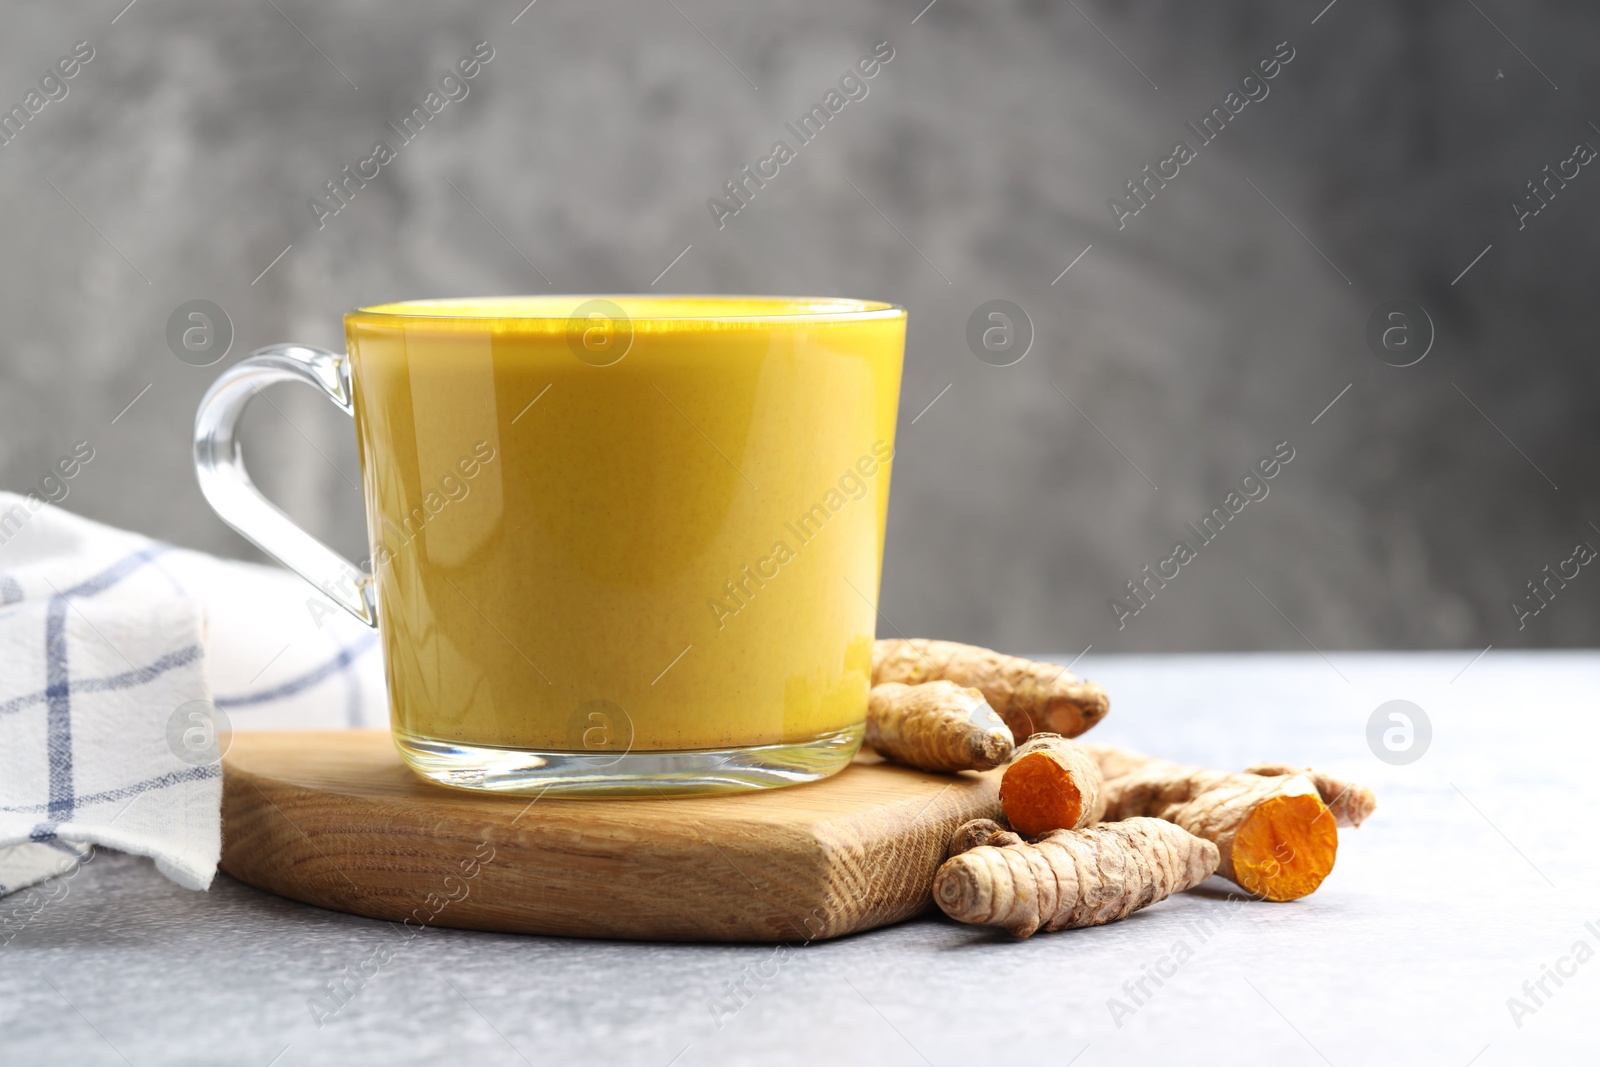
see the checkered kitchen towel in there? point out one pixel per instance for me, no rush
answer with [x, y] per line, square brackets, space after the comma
[114, 649]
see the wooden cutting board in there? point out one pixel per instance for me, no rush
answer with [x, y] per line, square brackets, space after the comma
[336, 820]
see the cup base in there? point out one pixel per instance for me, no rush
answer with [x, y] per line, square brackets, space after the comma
[486, 769]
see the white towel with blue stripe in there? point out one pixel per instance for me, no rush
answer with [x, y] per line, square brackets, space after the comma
[122, 660]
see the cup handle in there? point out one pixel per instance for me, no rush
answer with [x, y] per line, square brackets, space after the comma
[219, 464]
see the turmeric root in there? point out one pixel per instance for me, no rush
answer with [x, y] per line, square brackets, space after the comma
[936, 726]
[969, 835]
[1273, 831]
[1349, 803]
[1068, 878]
[1052, 784]
[1031, 697]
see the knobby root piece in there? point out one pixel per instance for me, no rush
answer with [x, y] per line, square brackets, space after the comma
[1350, 803]
[1071, 878]
[936, 726]
[970, 835]
[1277, 838]
[1052, 784]
[1031, 697]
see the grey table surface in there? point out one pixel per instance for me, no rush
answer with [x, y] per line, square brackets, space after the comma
[1479, 873]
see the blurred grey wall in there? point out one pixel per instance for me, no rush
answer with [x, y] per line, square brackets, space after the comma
[1173, 355]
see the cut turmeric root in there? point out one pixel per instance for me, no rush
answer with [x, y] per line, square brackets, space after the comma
[1276, 837]
[1052, 784]
[1068, 878]
[1350, 803]
[936, 726]
[1031, 697]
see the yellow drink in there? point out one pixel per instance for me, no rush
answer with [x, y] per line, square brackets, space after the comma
[658, 531]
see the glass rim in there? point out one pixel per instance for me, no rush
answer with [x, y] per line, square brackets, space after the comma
[742, 308]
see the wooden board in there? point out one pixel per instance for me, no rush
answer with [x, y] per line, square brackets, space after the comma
[336, 820]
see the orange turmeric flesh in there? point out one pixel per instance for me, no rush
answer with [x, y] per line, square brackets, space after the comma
[1040, 796]
[1276, 837]
[1051, 784]
[1285, 847]
[1351, 804]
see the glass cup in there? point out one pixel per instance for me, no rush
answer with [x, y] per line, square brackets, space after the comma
[624, 545]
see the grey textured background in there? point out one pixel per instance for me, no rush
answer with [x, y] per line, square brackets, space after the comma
[1194, 339]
